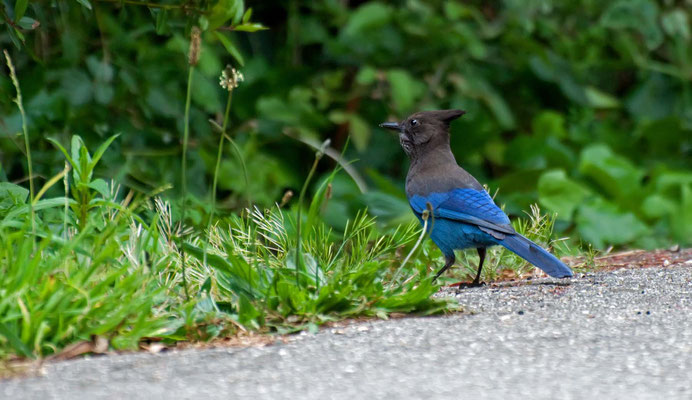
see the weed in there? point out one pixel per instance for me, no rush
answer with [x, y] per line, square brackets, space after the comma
[25, 131]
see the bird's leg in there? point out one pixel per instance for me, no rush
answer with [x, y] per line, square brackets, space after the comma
[476, 282]
[481, 255]
[449, 263]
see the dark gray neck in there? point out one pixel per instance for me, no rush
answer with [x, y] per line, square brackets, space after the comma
[437, 171]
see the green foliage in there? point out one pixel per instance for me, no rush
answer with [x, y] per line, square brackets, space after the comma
[597, 90]
[259, 283]
[114, 270]
[561, 194]
[84, 188]
[57, 295]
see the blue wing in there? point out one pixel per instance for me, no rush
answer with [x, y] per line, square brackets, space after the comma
[471, 206]
[475, 207]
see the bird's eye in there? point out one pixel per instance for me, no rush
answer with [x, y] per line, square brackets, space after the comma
[414, 122]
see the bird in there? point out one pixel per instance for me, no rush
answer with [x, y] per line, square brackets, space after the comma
[462, 215]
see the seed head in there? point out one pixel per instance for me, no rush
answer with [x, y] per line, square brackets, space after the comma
[195, 45]
[230, 78]
[286, 198]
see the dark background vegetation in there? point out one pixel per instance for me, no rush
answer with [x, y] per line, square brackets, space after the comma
[582, 106]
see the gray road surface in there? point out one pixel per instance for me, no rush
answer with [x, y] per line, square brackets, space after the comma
[624, 334]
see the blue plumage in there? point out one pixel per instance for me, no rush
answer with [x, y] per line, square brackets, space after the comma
[463, 214]
[458, 221]
[457, 216]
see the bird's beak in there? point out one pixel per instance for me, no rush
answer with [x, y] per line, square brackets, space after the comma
[391, 125]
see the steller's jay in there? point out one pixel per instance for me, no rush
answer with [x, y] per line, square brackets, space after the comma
[463, 214]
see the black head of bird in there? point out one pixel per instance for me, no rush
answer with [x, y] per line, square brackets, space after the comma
[424, 131]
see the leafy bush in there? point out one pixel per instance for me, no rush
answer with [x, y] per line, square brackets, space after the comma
[580, 105]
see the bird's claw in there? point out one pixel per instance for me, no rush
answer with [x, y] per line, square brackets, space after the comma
[467, 285]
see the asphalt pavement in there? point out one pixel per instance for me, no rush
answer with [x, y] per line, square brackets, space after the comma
[623, 334]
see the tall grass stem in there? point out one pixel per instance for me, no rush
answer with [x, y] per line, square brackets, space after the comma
[217, 166]
[299, 239]
[186, 136]
[25, 131]
[66, 184]
[425, 217]
[239, 154]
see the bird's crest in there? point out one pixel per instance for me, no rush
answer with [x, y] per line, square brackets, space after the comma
[445, 116]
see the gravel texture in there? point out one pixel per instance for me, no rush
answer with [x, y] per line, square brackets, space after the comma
[610, 335]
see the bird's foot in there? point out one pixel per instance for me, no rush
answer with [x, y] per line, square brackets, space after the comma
[468, 285]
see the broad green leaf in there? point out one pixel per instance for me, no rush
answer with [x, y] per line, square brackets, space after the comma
[599, 99]
[602, 223]
[473, 85]
[661, 137]
[652, 99]
[456, 10]
[615, 174]
[369, 16]
[676, 24]
[12, 217]
[85, 3]
[549, 123]
[81, 158]
[101, 187]
[552, 67]
[11, 194]
[203, 22]
[250, 27]
[657, 206]
[100, 70]
[225, 10]
[558, 193]
[359, 130]
[28, 23]
[20, 9]
[230, 47]
[248, 314]
[162, 22]
[405, 90]
[681, 221]
[366, 75]
[671, 180]
[247, 15]
[16, 37]
[103, 93]
[639, 15]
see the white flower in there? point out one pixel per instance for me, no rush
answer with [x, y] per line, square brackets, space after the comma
[230, 78]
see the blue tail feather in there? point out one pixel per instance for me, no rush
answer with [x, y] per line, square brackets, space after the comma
[536, 255]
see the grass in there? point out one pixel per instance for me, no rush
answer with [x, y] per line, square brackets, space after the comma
[117, 271]
[27, 148]
[98, 263]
